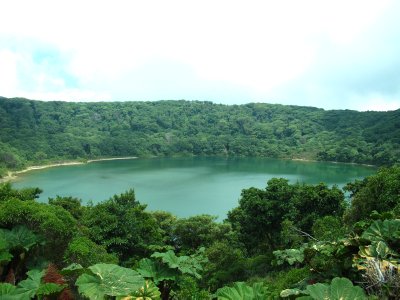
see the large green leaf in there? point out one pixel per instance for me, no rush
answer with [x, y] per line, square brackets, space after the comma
[290, 255]
[27, 288]
[73, 269]
[259, 291]
[91, 286]
[46, 289]
[190, 266]
[148, 292]
[241, 290]
[19, 236]
[7, 292]
[340, 289]
[3, 241]
[185, 264]
[5, 255]
[109, 279]
[377, 250]
[318, 291]
[382, 230]
[6, 289]
[156, 271]
[169, 258]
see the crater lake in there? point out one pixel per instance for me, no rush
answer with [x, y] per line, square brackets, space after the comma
[183, 186]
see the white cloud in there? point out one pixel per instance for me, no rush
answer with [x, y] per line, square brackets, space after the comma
[262, 50]
[374, 102]
[8, 73]
[69, 95]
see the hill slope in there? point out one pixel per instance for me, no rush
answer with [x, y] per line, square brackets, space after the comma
[37, 132]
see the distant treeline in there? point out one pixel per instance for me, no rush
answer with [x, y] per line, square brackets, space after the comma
[34, 132]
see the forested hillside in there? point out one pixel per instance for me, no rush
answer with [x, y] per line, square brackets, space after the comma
[35, 132]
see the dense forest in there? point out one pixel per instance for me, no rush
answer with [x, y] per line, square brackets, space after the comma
[287, 241]
[35, 132]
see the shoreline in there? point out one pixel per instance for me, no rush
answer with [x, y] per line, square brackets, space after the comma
[111, 158]
[333, 162]
[14, 175]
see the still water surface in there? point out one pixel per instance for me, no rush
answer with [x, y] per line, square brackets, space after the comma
[182, 186]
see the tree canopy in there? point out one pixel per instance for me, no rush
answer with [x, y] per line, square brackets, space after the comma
[35, 132]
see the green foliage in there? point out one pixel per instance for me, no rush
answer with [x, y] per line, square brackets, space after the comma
[171, 272]
[9, 159]
[5, 255]
[16, 247]
[241, 290]
[166, 223]
[19, 237]
[291, 256]
[6, 291]
[379, 261]
[379, 192]
[378, 250]
[25, 194]
[198, 231]
[110, 280]
[293, 278]
[83, 251]
[35, 131]
[219, 270]
[187, 288]
[289, 236]
[330, 259]
[339, 289]
[328, 228]
[190, 265]
[70, 204]
[147, 292]
[73, 269]
[48, 289]
[122, 226]
[156, 271]
[261, 214]
[315, 201]
[53, 223]
[293, 292]
[387, 230]
[30, 288]
[3, 172]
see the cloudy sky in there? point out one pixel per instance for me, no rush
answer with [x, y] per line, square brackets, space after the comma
[341, 54]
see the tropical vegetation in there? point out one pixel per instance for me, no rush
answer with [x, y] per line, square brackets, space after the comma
[36, 132]
[287, 241]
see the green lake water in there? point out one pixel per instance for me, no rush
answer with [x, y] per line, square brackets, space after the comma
[182, 186]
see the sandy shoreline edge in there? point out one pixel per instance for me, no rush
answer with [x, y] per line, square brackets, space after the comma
[14, 175]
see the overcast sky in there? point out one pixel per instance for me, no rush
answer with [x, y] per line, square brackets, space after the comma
[330, 54]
